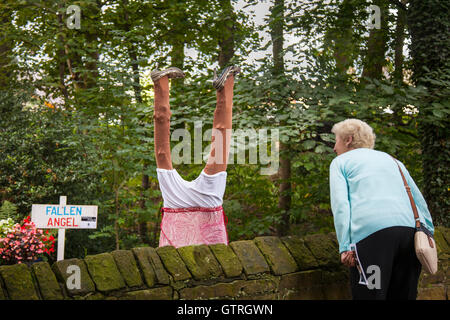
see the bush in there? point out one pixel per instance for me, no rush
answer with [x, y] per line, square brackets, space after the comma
[25, 243]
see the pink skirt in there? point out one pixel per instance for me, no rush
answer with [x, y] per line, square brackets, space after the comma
[193, 226]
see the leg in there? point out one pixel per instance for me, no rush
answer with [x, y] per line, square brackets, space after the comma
[406, 270]
[162, 124]
[222, 124]
[378, 250]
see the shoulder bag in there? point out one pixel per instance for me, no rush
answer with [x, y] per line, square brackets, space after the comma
[423, 239]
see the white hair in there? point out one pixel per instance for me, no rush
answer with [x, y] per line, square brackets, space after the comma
[362, 133]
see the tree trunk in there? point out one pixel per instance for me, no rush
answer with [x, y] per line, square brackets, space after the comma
[6, 46]
[399, 43]
[377, 45]
[226, 39]
[340, 37]
[428, 22]
[284, 171]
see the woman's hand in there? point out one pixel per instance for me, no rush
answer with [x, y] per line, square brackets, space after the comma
[348, 258]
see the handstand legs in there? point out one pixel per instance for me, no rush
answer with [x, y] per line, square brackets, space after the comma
[162, 124]
[222, 124]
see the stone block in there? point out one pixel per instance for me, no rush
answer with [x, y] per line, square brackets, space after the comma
[144, 264]
[276, 254]
[230, 263]
[162, 293]
[173, 263]
[162, 277]
[432, 293]
[300, 281]
[443, 248]
[104, 272]
[217, 291]
[337, 291]
[336, 285]
[126, 263]
[2, 293]
[18, 282]
[324, 248]
[302, 255]
[257, 287]
[200, 261]
[445, 233]
[60, 270]
[250, 257]
[47, 282]
[95, 296]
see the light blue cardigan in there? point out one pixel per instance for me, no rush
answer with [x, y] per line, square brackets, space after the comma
[367, 195]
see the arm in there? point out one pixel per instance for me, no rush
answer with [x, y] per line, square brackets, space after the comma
[340, 206]
[419, 200]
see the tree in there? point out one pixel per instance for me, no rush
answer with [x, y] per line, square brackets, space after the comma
[429, 25]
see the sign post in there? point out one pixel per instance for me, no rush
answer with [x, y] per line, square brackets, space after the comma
[61, 233]
[62, 216]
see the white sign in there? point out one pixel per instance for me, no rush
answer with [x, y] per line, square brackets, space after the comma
[54, 216]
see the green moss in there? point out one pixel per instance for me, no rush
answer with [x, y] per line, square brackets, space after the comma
[60, 270]
[276, 254]
[145, 266]
[441, 244]
[216, 291]
[200, 261]
[104, 272]
[230, 263]
[162, 277]
[2, 293]
[324, 249]
[128, 267]
[173, 263]
[162, 293]
[18, 282]
[302, 255]
[48, 285]
[250, 257]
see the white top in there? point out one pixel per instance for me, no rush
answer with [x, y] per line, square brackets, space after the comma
[206, 191]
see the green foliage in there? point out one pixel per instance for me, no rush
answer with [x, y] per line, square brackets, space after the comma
[76, 115]
[8, 210]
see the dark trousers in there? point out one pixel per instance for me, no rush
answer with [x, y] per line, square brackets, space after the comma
[390, 254]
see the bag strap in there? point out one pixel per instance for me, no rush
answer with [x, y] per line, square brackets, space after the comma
[411, 200]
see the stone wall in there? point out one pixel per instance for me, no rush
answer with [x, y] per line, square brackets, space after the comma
[263, 268]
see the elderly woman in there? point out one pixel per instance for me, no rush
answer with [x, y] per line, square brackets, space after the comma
[373, 218]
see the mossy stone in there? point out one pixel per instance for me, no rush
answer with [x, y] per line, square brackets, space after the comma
[250, 257]
[441, 244]
[162, 293]
[46, 279]
[324, 248]
[216, 291]
[126, 263]
[445, 233]
[151, 266]
[300, 281]
[173, 263]
[86, 283]
[276, 254]
[200, 261]
[2, 293]
[230, 263]
[145, 266]
[104, 272]
[18, 282]
[162, 277]
[302, 255]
